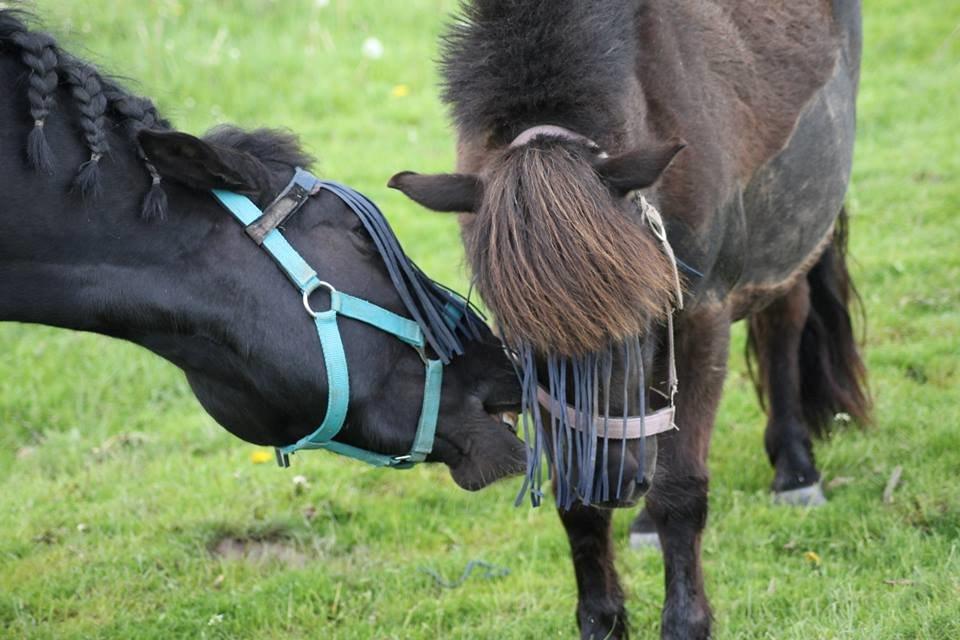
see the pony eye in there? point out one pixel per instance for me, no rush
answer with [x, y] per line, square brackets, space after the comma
[358, 229]
[362, 239]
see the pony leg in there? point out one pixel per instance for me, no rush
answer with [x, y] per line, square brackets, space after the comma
[776, 332]
[600, 610]
[809, 369]
[677, 504]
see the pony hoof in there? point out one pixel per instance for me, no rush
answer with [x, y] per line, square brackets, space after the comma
[811, 496]
[642, 540]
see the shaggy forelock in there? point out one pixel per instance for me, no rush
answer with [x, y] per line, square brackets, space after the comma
[566, 267]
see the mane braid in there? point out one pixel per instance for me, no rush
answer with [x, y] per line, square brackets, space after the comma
[96, 98]
[92, 103]
[40, 55]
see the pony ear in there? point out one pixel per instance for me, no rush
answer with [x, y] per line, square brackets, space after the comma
[638, 168]
[445, 192]
[203, 165]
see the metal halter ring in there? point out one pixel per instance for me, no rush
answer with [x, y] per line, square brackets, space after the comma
[319, 284]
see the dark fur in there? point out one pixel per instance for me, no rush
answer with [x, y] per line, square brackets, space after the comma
[763, 94]
[457, 192]
[507, 63]
[269, 146]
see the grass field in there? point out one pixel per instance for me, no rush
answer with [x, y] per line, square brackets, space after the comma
[115, 487]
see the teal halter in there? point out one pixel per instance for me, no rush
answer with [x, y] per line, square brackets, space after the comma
[263, 228]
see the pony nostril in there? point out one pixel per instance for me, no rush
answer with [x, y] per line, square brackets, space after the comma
[643, 485]
[509, 420]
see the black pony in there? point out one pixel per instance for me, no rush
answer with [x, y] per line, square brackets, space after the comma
[577, 121]
[82, 246]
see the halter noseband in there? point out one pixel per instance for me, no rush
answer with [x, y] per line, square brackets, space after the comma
[263, 228]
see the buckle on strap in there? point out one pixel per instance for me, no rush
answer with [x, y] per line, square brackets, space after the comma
[301, 187]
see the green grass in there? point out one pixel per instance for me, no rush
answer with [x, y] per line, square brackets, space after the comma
[114, 484]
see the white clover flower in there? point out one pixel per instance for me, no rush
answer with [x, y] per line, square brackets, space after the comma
[372, 49]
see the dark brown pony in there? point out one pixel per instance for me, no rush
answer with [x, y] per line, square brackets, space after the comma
[564, 109]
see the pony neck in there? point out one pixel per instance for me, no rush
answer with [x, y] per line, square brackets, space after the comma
[94, 264]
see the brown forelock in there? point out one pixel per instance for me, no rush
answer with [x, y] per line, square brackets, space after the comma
[565, 267]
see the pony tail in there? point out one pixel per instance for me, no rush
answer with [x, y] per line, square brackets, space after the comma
[40, 55]
[833, 377]
[92, 103]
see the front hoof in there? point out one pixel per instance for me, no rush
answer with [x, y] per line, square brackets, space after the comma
[603, 626]
[694, 625]
[811, 496]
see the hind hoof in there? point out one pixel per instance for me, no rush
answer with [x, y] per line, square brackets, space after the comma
[643, 532]
[640, 541]
[811, 496]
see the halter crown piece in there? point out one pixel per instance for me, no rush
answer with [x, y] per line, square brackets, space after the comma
[441, 317]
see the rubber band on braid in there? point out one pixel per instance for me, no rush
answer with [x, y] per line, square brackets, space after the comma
[39, 53]
[92, 103]
[155, 202]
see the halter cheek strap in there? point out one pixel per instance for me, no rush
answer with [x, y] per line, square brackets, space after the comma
[262, 227]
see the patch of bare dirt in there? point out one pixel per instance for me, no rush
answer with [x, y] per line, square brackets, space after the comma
[259, 551]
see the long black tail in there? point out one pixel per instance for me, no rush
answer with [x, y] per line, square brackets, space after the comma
[833, 378]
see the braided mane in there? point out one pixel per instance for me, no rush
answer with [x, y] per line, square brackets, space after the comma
[96, 97]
